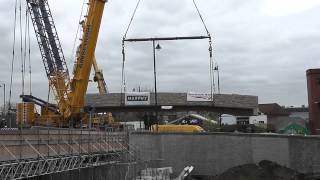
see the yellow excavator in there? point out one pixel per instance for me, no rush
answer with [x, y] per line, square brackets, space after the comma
[69, 93]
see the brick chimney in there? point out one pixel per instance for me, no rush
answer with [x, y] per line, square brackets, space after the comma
[313, 81]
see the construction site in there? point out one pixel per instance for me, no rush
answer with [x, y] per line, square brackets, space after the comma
[152, 115]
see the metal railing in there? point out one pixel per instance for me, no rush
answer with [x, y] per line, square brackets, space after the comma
[38, 152]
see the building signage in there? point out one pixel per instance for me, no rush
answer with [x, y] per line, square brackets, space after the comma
[199, 97]
[167, 107]
[137, 98]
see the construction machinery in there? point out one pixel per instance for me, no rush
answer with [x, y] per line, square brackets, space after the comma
[99, 79]
[172, 128]
[69, 93]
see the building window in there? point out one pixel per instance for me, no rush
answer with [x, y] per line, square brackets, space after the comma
[318, 81]
[261, 122]
[243, 122]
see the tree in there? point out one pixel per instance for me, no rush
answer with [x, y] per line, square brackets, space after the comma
[210, 126]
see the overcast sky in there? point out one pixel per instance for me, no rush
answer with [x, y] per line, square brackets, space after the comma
[263, 47]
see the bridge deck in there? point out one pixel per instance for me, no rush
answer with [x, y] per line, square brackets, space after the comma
[222, 103]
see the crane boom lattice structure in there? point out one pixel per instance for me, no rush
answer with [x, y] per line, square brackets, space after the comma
[51, 52]
[69, 93]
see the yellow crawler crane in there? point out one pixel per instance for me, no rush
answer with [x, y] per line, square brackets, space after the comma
[85, 57]
[69, 93]
[99, 119]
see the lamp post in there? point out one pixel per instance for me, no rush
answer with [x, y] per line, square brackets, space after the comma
[158, 47]
[4, 97]
[4, 102]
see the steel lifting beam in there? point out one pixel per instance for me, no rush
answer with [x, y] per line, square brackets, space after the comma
[167, 38]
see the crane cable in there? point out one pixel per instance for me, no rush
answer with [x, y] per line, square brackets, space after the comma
[25, 43]
[13, 52]
[29, 53]
[123, 81]
[202, 20]
[21, 47]
[77, 33]
[212, 66]
[132, 17]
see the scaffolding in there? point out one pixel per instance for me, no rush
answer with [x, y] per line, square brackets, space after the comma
[38, 152]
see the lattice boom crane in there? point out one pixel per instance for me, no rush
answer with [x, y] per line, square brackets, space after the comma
[69, 93]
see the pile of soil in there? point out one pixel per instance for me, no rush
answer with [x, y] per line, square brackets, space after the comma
[265, 170]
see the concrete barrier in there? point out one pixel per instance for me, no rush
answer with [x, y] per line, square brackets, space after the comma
[213, 153]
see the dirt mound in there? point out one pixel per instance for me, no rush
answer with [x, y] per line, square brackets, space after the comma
[265, 170]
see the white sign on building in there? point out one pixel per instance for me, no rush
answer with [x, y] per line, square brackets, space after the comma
[137, 98]
[260, 120]
[198, 96]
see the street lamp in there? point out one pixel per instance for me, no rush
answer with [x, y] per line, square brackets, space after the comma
[4, 102]
[4, 97]
[158, 47]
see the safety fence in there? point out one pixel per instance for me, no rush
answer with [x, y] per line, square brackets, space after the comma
[38, 152]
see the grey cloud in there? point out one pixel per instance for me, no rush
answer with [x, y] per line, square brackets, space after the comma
[257, 54]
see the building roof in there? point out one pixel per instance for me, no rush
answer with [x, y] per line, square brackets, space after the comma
[297, 109]
[294, 128]
[273, 109]
[313, 71]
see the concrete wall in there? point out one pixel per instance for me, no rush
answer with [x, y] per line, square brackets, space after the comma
[214, 153]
